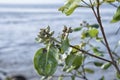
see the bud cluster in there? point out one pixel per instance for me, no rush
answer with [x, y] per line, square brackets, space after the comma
[66, 32]
[45, 35]
[84, 24]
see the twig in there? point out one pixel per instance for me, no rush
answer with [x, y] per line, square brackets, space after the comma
[92, 7]
[83, 6]
[85, 3]
[84, 74]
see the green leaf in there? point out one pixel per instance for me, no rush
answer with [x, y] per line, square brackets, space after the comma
[74, 50]
[45, 63]
[106, 65]
[116, 16]
[99, 38]
[70, 6]
[65, 45]
[84, 35]
[93, 32]
[77, 61]
[118, 0]
[89, 70]
[109, 1]
[73, 62]
[97, 52]
[70, 68]
[73, 77]
[94, 26]
[79, 72]
[102, 78]
[98, 64]
[117, 75]
[80, 46]
[60, 77]
[77, 29]
[54, 51]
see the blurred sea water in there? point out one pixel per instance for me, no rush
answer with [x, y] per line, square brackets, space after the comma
[20, 24]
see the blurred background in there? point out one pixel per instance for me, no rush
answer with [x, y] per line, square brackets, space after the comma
[20, 22]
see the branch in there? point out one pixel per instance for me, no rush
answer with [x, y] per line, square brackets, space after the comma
[104, 37]
[85, 52]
